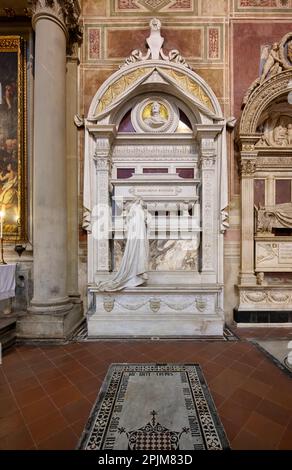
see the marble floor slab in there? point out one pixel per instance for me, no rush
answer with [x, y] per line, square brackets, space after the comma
[279, 349]
[154, 407]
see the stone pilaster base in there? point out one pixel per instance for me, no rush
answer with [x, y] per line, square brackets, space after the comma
[49, 325]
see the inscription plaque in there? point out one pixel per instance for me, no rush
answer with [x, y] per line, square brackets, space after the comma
[285, 253]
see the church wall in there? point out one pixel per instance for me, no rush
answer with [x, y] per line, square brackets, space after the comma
[220, 39]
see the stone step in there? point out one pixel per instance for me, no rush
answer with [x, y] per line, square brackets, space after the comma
[7, 332]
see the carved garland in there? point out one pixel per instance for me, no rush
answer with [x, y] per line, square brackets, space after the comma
[266, 297]
[155, 303]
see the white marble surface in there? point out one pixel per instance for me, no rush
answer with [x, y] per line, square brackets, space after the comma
[156, 312]
[165, 255]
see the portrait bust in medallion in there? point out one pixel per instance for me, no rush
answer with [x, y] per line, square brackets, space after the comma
[155, 115]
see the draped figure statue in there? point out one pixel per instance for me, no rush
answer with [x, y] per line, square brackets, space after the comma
[134, 265]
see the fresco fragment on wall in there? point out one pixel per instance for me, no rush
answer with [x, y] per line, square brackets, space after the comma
[152, 6]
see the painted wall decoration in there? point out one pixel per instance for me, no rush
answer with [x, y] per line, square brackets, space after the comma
[263, 3]
[12, 137]
[153, 6]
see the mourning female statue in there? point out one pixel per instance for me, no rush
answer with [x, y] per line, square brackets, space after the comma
[134, 265]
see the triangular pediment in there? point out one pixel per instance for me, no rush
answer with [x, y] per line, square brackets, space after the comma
[127, 83]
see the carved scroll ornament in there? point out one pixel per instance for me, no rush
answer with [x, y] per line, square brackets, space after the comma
[155, 51]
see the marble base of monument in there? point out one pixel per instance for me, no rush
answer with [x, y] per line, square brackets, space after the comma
[155, 311]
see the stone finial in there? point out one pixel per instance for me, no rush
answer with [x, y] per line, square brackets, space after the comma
[155, 51]
[155, 40]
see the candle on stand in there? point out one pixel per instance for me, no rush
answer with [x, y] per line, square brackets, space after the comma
[2, 214]
[1, 224]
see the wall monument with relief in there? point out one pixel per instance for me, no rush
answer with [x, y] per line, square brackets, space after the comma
[155, 198]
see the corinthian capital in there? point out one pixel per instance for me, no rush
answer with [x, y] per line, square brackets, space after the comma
[65, 12]
[247, 167]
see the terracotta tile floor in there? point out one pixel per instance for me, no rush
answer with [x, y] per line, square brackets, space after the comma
[46, 392]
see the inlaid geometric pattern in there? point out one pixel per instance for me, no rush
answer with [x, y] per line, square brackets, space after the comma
[153, 436]
[184, 415]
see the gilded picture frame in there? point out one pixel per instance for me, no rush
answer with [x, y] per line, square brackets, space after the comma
[13, 138]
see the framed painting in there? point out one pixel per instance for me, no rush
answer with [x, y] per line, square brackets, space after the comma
[13, 131]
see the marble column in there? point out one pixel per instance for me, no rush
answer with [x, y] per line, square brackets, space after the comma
[248, 167]
[72, 174]
[51, 312]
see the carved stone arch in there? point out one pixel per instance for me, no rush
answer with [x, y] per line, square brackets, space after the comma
[172, 78]
[260, 99]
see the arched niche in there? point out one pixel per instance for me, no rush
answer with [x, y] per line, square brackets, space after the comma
[166, 304]
[266, 193]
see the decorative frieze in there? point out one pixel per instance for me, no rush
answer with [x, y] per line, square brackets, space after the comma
[266, 297]
[164, 303]
[279, 162]
[147, 151]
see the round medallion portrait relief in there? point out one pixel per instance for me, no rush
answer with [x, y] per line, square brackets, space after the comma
[155, 114]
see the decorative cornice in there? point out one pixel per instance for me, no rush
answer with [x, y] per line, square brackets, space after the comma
[64, 12]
